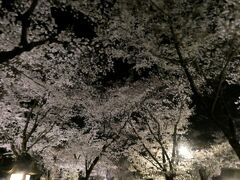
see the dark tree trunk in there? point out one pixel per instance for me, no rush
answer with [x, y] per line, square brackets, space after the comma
[90, 169]
[48, 174]
[235, 145]
[203, 174]
[169, 177]
[232, 139]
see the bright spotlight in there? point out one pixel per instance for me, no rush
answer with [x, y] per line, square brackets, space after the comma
[19, 176]
[27, 177]
[184, 152]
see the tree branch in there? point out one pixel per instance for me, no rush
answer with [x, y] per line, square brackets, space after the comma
[183, 62]
[159, 140]
[27, 122]
[32, 130]
[6, 56]
[41, 135]
[175, 133]
[222, 76]
[145, 147]
[26, 22]
[14, 149]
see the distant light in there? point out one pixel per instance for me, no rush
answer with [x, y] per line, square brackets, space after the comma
[185, 152]
[19, 176]
[27, 177]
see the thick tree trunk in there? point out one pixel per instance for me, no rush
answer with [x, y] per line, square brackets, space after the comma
[49, 175]
[89, 171]
[169, 177]
[203, 174]
[87, 175]
[235, 145]
[6, 56]
[232, 138]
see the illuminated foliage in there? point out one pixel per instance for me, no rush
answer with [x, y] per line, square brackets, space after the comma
[93, 60]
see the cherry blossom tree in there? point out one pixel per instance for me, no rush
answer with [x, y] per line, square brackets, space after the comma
[199, 39]
[89, 152]
[91, 58]
[159, 126]
[227, 52]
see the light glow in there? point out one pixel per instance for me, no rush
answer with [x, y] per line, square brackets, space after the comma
[185, 152]
[19, 176]
[27, 177]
